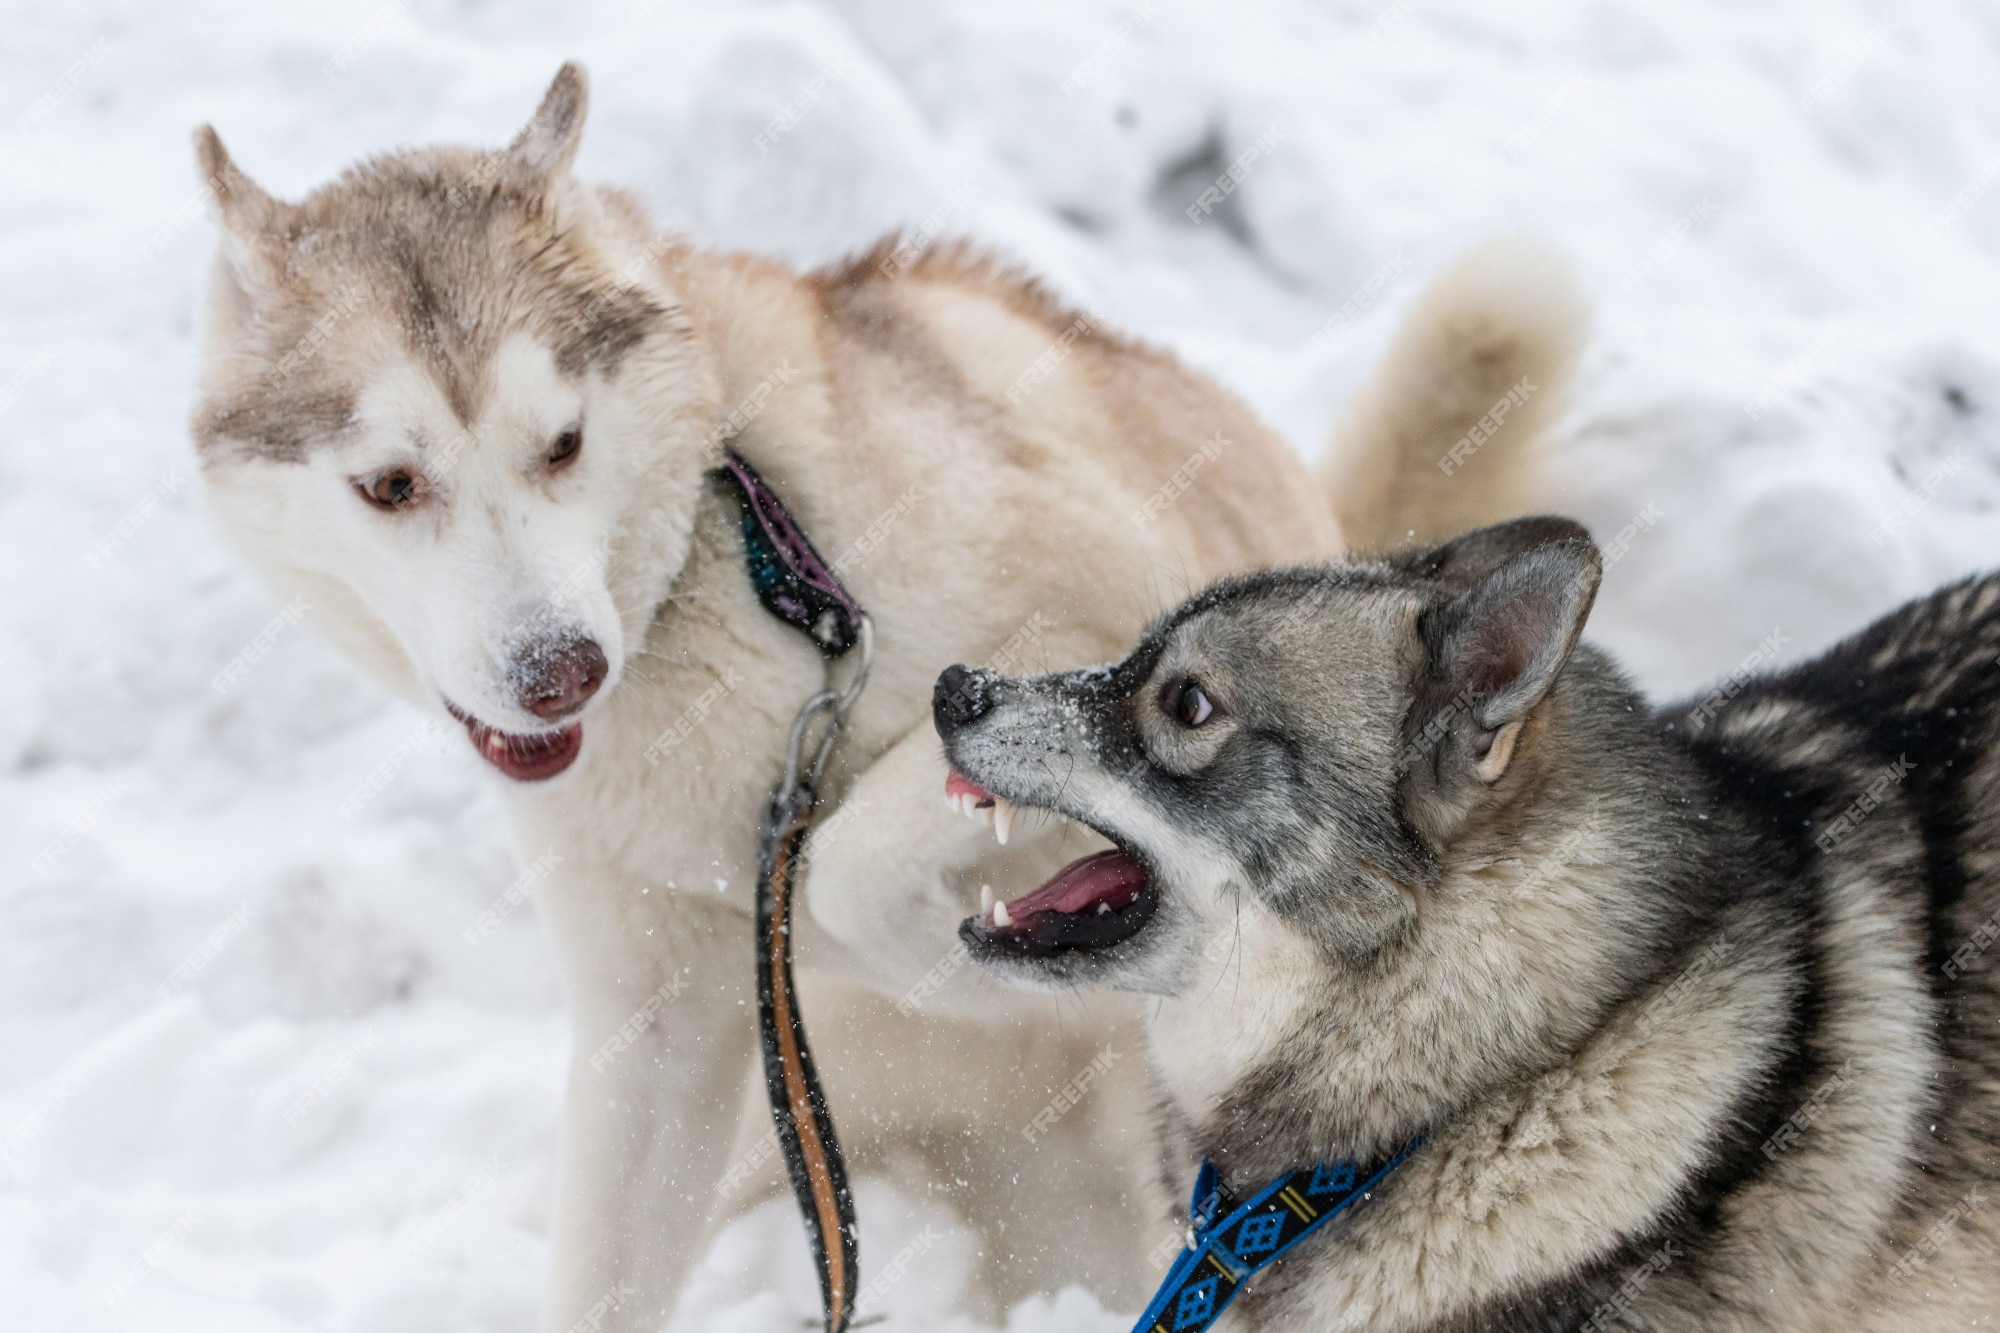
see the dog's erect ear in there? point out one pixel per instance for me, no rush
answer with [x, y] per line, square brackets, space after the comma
[243, 206]
[251, 219]
[548, 144]
[1466, 560]
[1497, 648]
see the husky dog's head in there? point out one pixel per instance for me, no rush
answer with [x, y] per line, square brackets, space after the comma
[448, 401]
[1308, 744]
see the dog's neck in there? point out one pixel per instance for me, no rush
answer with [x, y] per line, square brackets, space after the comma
[774, 398]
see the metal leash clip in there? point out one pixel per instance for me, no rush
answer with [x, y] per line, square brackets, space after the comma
[835, 702]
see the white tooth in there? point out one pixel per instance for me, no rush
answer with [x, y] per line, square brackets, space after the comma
[1003, 818]
[1000, 917]
[986, 815]
[985, 899]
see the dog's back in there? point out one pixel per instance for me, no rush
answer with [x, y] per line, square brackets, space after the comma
[1880, 762]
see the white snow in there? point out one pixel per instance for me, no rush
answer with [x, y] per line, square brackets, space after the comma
[252, 1073]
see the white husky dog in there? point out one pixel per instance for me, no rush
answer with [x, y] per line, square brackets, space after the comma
[470, 408]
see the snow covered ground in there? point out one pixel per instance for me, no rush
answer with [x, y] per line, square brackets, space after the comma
[254, 1075]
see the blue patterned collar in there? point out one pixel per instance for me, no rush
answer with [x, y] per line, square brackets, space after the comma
[1224, 1254]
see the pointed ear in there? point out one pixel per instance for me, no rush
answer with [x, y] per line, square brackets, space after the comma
[548, 144]
[242, 205]
[1498, 647]
[252, 221]
[1466, 560]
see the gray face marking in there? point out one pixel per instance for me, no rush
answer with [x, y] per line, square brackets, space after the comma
[1274, 736]
[450, 264]
[276, 424]
[1240, 748]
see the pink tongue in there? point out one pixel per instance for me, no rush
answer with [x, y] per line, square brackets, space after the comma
[1112, 877]
[955, 785]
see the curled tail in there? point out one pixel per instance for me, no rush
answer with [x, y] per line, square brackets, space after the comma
[1448, 434]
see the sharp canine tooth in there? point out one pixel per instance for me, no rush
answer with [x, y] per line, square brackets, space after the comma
[1000, 917]
[1003, 819]
[985, 898]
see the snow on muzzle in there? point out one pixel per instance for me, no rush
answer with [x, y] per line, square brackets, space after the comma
[553, 676]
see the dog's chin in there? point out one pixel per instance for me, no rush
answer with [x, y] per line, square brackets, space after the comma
[531, 757]
[1090, 914]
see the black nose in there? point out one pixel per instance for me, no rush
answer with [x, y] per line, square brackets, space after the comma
[961, 698]
[554, 678]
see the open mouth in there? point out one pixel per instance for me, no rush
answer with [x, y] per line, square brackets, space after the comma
[1092, 903]
[529, 758]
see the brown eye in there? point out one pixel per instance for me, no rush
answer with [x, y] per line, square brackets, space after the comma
[565, 446]
[389, 490]
[1192, 705]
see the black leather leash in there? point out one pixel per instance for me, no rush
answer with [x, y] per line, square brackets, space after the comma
[799, 588]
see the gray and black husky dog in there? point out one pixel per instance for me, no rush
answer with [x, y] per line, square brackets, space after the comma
[1694, 1003]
